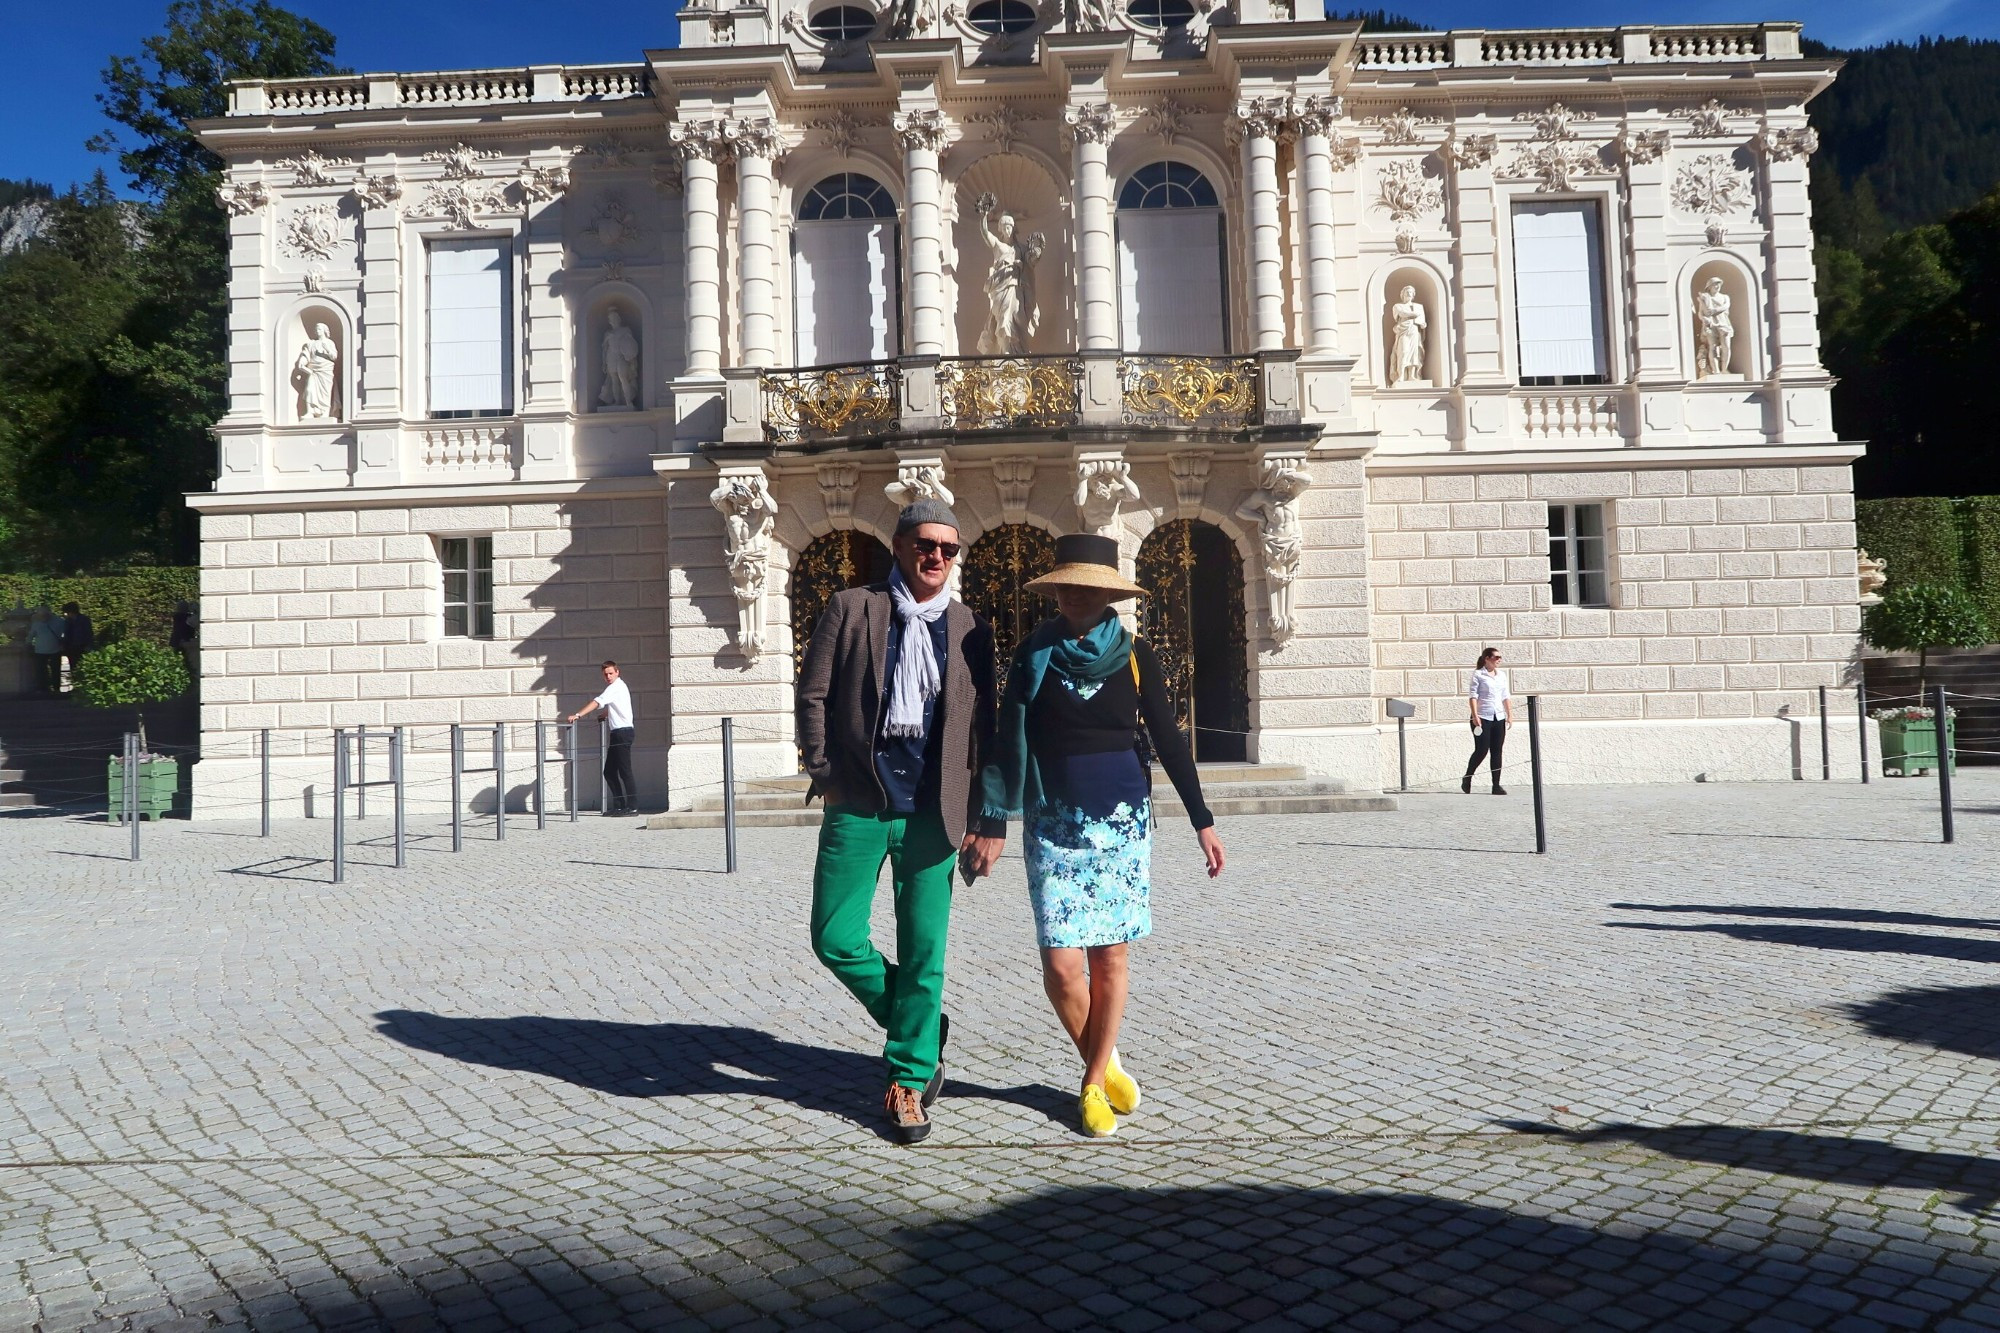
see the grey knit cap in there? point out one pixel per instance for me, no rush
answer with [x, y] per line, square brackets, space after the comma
[919, 512]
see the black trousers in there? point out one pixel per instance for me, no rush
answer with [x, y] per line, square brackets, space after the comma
[618, 770]
[1491, 740]
[48, 672]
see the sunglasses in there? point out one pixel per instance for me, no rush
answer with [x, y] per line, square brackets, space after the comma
[928, 546]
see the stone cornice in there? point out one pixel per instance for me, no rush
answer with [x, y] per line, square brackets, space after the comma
[1619, 458]
[395, 497]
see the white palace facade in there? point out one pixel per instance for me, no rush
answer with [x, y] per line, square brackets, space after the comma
[1370, 350]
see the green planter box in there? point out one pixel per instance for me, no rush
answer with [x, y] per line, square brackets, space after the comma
[159, 779]
[1909, 745]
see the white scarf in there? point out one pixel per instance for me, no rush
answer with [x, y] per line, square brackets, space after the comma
[916, 681]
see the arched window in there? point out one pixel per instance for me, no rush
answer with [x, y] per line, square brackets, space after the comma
[1161, 13]
[1001, 16]
[842, 23]
[1170, 262]
[1167, 185]
[845, 302]
[848, 195]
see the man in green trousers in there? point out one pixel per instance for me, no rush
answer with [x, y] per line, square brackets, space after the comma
[895, 712]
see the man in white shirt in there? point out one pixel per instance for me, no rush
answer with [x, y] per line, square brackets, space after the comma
[616, 701]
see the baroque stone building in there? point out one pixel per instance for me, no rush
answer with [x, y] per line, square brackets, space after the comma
[1369, 349]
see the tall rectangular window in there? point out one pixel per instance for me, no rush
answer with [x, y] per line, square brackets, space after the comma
[1170, 299]
[468, 586]
[1576, 555]
[1559, 292]
[467, 328]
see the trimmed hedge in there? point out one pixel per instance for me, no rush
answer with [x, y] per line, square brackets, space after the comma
[138, 604]
[1979, 527]
[1918, 537]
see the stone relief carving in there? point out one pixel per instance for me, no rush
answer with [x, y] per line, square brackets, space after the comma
[1714, 331]
[309, 168]
[1015, 478]
[1784, 145]
[843, 130]
[1710, 120]
[461, 161]
[923, 128]
[619, 391]
[706, 139]
[1190, 472]
[1645, 146]
[538, 185]
[916, 481]
[1556, 123]
[1006, 126]
[1471, 151]
[1103, 487]
[1712, 187]
[749, 516]
[1273, 507]
[1316, 113]
[378, 191]
[242, 198]
[615, 227]
[754, 136]
[315, 280]
[1168, 119]
[612, 151]
[836, 487]
[458, 203]
[1409, 337]
[1401, 126]
[1090, 16]
[312, 231]
[1091, 122]
[1012, 315]
[1871, 574]
[613, 270]
[314, 375]
[1555, 156]
[1262, 118]
[722, 30]
[1407, 195]
[670, 177]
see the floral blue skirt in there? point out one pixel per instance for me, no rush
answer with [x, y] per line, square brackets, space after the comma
[1089, 848]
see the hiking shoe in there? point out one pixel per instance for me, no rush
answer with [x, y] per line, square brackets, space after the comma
[907, 1118]
[936, 1084]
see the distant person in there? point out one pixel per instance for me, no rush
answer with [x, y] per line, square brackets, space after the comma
[616, 701]
[182, 640]
[78, 637]
[1492, 707]
[45, 637]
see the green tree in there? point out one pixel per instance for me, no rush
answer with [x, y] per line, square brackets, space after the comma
[1918, 617]
[129, 672]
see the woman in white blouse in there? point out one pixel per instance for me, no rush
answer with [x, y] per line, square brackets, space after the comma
[1492, 706]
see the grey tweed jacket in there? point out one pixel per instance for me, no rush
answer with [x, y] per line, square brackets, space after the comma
[840, 694]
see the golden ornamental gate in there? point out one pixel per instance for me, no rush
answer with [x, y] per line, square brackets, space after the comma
[990, 583]
[1193, 616]
[831, 564]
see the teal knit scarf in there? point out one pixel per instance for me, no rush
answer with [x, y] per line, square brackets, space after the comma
[1011, 783]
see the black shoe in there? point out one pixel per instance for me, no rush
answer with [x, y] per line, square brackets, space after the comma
[1465, 784]
[1499, 790]
[936, 1084]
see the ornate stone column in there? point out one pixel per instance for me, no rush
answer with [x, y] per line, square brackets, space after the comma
[239, 435]
[1089, 128]
[547, 378]
[1315, 121]
[380, 382]
[1789, 208]
[922, 131]
[701, 146]
[755, 141]
[1262, 122]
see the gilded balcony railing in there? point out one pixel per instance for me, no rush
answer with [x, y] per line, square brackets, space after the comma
[1009, 393]
[831, 402]
[1189, 392]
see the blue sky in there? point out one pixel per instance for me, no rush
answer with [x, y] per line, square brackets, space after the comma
[48, 103]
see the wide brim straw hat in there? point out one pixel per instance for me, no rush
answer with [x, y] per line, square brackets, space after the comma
[1085, 561]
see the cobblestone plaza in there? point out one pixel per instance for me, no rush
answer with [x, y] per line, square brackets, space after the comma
[1726, 1058]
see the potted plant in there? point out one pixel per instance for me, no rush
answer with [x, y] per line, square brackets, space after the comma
[133, 673]
[1915, 619]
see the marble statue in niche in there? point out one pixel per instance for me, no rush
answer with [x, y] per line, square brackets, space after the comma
[620, 389]
[1409, 330]
[314, 375]
[1714, 331]
[1012, 316]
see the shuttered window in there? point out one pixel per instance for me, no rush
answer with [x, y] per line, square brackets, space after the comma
[467, 328]
[1170, 296]
[844, 292]
[1559, 292]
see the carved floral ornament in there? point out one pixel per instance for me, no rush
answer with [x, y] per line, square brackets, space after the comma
[754, 136]
[461, 161]
[1401, 126]
[381, 191]
[1644, 146]
[1090, 122]
[1407, 195]
[615, 227]
[1005, 126]
[1168, 119]
[1785, 145]
[843, 130]
[312, 231]
[705, 140]
[460, 203]
[1469, 152]
[1711, 187]
[242, 198]
[309, 168]
[1710, 120]
[1554, 157]
[922, 129]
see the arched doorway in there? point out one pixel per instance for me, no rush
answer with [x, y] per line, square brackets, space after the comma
[990, 583]
[831, 564]
[1193, 616]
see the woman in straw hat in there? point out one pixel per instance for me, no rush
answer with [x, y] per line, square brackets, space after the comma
[1066, 762]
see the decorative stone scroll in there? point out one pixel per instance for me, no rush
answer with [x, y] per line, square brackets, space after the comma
[1785, 145]
[1710, 120]
[1006, 126]
[1091, 122]
[924, 127]
[461, 161]
[1263, 118]
[1273, 507]
[459, 203]
[754, 136]
[843, 130]
[243, 198]
[1168, 119]
[1469, 152]
[1104, 486]
[1190, 481]
[706, 139]
[1644, 146]
[1015, 478]
[1401, 126]
[836, 487]
[749, 516]
[539, 185]
[309, 168]
[919, 479]
[372, 192]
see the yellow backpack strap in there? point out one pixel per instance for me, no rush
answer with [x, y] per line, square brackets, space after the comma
[1133, 658]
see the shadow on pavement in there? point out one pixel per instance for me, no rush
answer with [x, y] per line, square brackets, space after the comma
[1842, 938]
[1853, 914]
[1793, 837]
[684, 1060]
[1975, 1181]
[1965, 1019]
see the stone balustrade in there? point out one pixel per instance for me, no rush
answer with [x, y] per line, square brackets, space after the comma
[1577, 46]
[474, 87]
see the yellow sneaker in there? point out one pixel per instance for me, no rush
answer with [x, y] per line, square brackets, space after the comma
[1120, 1089]
[1098, 1122]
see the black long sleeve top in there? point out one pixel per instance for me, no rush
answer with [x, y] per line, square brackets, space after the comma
[1061, 722]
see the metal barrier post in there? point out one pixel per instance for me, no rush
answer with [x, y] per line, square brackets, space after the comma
[132, 788]
[457, 771]
[603, 764]
[396, 776]
[499, 782]
[1535, 772]
[1861, 715]
[1402, 756]
[361, 771]
[729, 793]
[1825, 741]
[541, 750]
[1942, 731]
[569, 753]
[264, 747]
[339, 804]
